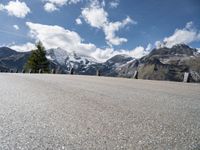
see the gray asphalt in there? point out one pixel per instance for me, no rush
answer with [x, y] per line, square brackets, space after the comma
[81, 112]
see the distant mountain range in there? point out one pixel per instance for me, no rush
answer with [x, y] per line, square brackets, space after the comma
[10, 59]
[166, 64]
[160, 64]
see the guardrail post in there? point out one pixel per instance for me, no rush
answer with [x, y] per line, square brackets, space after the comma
[72, 71]
[135, 76]
[98, 72]
[30, 71]
[186, 77]
[53, 71]
[40, 71]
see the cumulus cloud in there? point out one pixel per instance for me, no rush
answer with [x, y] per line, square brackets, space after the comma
[114, 4]
[110, 31]
[1, 7]
[96, 16]
[63, 2]
[53, 5]
[149, 47]
[23, 47]
[16, 27]
[49, 7]
[138, 52]
[104, 54]
[186, 35]
[78, 21]
[56, 36]
[16, 8]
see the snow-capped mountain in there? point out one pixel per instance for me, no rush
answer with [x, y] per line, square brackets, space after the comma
[160, 64]
[67, 60]
[84, 64]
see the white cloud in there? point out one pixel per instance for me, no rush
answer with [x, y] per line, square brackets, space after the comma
[49, 7]
[56, 36]
[104, 54]
[1, 7]
[78, 21]
[149, 47]
[63, 2]
[16, 27]
[158, 44]
[103, 3]
[114, 4]
[52, 5]
[97, 17]
[16, 8]
[110, 31]
[186, 35]
[138, 52]
[24, 47]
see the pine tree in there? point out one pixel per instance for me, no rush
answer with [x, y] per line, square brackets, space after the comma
[38, 60]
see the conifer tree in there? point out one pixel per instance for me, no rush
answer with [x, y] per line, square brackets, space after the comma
[38, 60]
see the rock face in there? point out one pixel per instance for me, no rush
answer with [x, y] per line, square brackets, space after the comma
[166, 64]
[12, 60]
[111, 66]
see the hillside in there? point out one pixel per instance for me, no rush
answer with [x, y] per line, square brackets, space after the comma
[166, 64]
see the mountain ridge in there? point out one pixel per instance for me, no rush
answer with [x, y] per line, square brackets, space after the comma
[165, 64]
[160, 64]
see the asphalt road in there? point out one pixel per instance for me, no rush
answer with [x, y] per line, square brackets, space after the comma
[81, 112]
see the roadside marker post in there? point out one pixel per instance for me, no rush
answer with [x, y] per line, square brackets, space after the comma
[72, 71]
[30, 70]
[53, 71]
[98, 73]
[186, 77]
[40, 71]
[135, 76]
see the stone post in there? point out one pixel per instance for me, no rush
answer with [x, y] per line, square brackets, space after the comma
[98, 72]
[30, 71]
[72, 71]
[40, 71]
[135, 76]
[53, 71]
[186, 77]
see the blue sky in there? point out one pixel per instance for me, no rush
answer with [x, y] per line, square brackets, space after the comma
[105, 27]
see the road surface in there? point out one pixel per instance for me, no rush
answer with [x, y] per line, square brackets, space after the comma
[81, 112]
